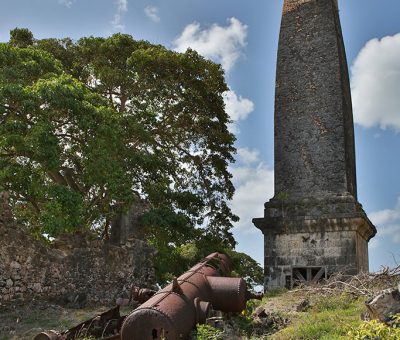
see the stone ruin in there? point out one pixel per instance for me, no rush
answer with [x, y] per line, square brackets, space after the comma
[73, 271]
[314, 225]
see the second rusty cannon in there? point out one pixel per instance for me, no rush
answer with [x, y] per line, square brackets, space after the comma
[174, 311]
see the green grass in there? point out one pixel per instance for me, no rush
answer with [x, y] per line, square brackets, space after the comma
[330, 318]
[274, 292]
[206, 332]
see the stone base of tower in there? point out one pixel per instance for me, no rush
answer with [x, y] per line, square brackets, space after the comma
[307, 240]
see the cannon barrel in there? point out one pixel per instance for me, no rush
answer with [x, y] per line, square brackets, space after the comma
[173, 311]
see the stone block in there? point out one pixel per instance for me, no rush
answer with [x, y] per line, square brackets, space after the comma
[384, 305]
[15, 265]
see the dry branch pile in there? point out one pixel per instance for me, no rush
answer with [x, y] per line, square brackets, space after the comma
[363, 284]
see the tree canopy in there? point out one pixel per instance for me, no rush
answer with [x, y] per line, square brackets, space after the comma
[89, 127]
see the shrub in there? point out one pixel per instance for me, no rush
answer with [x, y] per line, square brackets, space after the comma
[207, 332]
[375, 329]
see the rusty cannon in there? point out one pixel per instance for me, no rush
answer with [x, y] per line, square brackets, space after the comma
[173, 312]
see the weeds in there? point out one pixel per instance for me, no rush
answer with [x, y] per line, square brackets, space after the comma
[275, 292]
[376, 330]
[207, 332]
[329, 319]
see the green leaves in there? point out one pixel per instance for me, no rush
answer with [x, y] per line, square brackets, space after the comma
[44, 145]
[374, 329]
[89, 127]
[63, 211]
[25, 65]
[48, 120]
[21, 37]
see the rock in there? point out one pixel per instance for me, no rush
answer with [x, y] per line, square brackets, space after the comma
[303, 306]
[96, 269]
[260, 312]
[16, 277]
[74, 300]
[37, 287]
[15, 265]
[384, 305]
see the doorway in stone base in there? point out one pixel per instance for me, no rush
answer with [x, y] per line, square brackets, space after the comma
[307, 275]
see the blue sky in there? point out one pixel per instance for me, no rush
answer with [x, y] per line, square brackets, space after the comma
[243, 37]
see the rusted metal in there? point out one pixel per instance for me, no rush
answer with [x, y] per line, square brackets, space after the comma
[105, 326]
[228, 293]
[173, 311]
[141, 295]
[49, 335]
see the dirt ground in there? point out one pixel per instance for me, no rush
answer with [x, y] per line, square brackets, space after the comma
[26, 321]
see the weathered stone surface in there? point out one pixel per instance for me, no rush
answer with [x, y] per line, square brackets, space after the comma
[314, 219]
[314, 138]
[15, 265]
[384, 305]
[127, 224]
[74, 271]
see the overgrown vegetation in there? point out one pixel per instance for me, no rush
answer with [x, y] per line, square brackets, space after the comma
[332, 312]
[207, 332]
[91, 128]
[336, 307]
[330, 318]
[375, 329]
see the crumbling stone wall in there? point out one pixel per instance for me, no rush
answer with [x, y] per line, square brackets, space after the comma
[74, 271]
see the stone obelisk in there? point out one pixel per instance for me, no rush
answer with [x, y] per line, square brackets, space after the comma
[313, 225]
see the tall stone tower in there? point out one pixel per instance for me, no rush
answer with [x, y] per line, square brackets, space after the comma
[313, 226]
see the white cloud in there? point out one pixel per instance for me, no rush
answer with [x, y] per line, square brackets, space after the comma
[248, 156]
[254, 183]
[387, 222]
[67, 3]
[122, 8]
[376, 83]
[237, 107]
[152, 13]
[221, 44]
[386, 216]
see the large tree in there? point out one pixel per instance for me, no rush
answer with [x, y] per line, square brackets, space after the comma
[88, 128]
